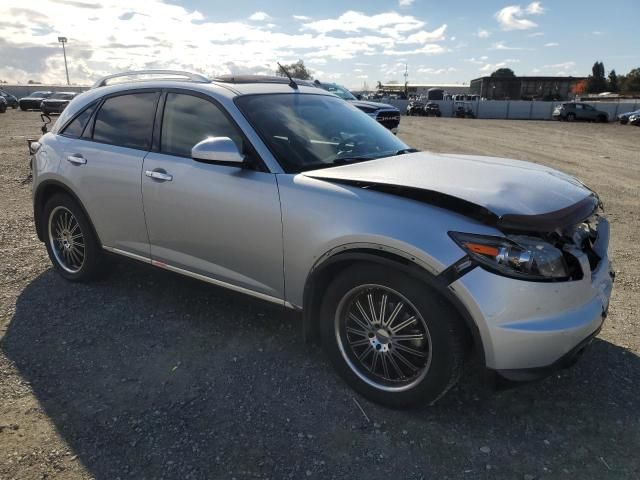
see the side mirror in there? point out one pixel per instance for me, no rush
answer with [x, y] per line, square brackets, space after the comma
[46, 119]
[217, 149]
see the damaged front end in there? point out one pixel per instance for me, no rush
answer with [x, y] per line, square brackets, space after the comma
[546, 247]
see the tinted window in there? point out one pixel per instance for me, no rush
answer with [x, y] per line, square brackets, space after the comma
[188, 120]
[126, 120]
[75, 128]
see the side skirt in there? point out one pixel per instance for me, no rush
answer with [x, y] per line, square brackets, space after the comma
[204, 278]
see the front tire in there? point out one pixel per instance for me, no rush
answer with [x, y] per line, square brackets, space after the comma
[71, 242]
[391, 337]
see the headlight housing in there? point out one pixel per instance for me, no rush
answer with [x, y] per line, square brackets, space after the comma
[518, 256]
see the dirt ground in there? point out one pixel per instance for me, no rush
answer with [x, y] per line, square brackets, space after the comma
[149, 375]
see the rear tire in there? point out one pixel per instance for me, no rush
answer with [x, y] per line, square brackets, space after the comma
[571, 117]
[412, 358]
[72, 245]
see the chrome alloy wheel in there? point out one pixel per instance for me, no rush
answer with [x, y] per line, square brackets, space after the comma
[383, 338]
[66, 239]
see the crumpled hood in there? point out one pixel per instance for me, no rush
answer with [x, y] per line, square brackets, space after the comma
[505, 188]
[363, 103]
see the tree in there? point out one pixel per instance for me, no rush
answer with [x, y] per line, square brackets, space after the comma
[579, 87]
[33, 82]
[613, 81]
[630, 83]
[296, 70]
[597, 82]
[503, 73]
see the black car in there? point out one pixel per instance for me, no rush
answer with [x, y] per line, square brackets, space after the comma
[386, 115]
[57, 102]
[432, 109]
[33, 100]
[415, 107]
[10, 99]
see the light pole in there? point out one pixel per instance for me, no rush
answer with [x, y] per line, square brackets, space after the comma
[63, 40]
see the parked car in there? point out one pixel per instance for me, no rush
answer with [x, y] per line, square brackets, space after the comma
[415, 107]
[623, 118]
[634, 120]
[463, 110]
[33, 100]
[57, 102]
[432, 109]
[399, 261]
[3, 104]
[387, 115]
[10, 99]
[571, 111]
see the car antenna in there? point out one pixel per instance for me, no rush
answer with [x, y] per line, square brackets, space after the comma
[292, 83]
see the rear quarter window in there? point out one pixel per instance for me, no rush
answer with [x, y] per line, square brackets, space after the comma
[78, 124]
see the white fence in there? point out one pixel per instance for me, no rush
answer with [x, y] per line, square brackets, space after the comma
[521, 110]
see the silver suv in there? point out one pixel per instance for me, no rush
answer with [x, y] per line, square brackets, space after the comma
[401, 262]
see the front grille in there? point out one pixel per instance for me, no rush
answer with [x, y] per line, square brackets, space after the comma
[388, 119]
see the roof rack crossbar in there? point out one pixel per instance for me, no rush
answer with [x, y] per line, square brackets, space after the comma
[192, 77]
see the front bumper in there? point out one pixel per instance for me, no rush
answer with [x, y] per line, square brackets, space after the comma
[532, 325]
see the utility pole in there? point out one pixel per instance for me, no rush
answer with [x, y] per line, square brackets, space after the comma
[406, 83]
[63, 40]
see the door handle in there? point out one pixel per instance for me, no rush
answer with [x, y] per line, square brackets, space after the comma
[76, 159]
[158, 175]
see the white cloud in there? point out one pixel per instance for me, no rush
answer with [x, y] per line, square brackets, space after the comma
[513, 17]
[563, 68]
[552, 44]
[302, 18]
[389, 23]
[536, 34]
[492, 67]
[405, 3]
[114, 36]
[260, 17]
[436, 71]
[424, 37]
[504, 46]
[535, 8]
[483, 33]
[427, 49]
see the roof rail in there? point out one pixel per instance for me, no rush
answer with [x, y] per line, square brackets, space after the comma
[189, 76]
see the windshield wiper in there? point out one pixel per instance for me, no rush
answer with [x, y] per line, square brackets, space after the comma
[406, 150]
[347, 160]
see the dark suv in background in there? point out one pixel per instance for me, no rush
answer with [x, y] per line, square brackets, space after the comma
[387, 115]
[10, 99]
[57, 102]
[579, 111]
[33, 100]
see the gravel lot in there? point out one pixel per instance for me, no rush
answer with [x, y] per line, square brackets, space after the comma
[150, 375]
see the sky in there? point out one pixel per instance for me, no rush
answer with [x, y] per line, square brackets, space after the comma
[339, 41]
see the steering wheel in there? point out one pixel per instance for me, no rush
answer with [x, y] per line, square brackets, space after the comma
[354, 144]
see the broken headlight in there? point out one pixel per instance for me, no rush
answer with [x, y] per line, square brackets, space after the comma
[519, 256]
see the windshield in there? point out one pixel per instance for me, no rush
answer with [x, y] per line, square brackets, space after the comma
[61, 96]
[40, 94]
[305, 132]
[340, 91]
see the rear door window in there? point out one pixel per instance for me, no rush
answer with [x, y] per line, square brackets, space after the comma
[127, 120]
